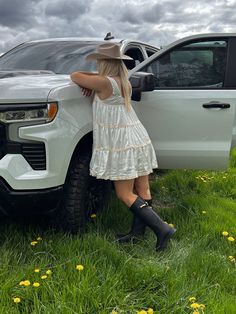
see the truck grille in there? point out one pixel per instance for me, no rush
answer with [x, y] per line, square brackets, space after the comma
[34, 152]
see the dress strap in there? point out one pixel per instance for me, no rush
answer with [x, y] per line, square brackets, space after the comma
[115, 87]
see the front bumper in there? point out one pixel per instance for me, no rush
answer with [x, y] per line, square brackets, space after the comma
[28, 201]
[58, 140]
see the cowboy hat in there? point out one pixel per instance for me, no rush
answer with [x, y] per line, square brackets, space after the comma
[108, 51]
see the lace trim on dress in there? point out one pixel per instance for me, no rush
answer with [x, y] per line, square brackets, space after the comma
[125, 177]
[110, 125]
[121, 149]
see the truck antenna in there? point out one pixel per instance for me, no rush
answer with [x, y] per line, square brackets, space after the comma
[108, 36]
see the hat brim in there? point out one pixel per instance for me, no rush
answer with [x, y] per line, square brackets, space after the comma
[96, 56]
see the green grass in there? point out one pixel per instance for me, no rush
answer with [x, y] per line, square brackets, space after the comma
[129, 278]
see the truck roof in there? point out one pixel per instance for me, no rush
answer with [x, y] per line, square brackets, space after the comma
[77, 39]
[93, 39]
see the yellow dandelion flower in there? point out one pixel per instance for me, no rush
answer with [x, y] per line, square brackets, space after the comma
[150, 311]
[36, 284]
[114, 312]
[37, 270]
[195, 312]
[79, 267]
[93, 216]
[44, 277]
[142, 312]
[49, 272]
[33, 243]
[39, 239]
[16, 300]
[202, 306]
[192, 299]
[231, 258]
[26, 283]
[204, 212]
[22, 283]
[195, 306]
[225, 233]
[171, 225]
[230, 239]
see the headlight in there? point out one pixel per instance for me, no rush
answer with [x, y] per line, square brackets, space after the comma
[28, 112]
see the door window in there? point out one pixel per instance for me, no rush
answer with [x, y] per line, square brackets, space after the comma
[196, 65]
[150, 52]
[137, 56]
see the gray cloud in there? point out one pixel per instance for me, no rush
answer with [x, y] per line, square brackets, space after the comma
[16, 13]
[129, 16]
[154, 22]
[68, 10]
[154, 14]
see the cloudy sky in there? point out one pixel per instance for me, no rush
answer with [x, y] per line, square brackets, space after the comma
[158, 22]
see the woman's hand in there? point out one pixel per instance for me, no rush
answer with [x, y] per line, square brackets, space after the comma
[86, 91]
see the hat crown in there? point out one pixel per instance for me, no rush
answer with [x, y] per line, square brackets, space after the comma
[110, 50]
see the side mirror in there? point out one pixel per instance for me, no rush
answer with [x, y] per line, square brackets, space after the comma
[141, 82]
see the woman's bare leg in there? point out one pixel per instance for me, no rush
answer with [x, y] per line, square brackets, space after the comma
[142, 187]
[124, 191]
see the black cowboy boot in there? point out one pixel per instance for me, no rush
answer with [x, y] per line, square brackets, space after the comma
[137, 229]
[162, 230]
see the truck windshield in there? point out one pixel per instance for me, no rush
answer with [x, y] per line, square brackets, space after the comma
[61, 57]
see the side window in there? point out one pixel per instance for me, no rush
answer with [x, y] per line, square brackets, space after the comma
[137, 56]
[199, 64]
[150, 52]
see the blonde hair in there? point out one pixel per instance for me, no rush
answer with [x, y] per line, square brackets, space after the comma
[114, 67]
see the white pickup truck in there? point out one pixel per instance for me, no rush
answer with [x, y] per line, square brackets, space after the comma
[184, 94]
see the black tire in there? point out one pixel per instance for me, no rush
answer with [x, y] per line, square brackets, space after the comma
[98, 195]
[82, 196]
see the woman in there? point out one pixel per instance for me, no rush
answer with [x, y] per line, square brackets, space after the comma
[122, 150]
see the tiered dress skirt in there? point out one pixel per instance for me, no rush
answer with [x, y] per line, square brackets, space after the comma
[122, 148]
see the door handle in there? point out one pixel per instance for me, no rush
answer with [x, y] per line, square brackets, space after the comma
[211, 105]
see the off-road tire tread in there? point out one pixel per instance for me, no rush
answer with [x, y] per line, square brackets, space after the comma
[72, 212]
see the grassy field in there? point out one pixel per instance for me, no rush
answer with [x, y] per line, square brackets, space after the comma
[95, 275]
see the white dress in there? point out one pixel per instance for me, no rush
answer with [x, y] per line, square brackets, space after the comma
[122, 148]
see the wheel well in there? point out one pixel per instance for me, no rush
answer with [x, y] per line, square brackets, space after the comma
[85, 144]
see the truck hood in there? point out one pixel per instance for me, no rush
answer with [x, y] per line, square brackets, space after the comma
[25, 87]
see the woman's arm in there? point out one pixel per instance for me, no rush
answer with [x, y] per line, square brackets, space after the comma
[90, 80]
